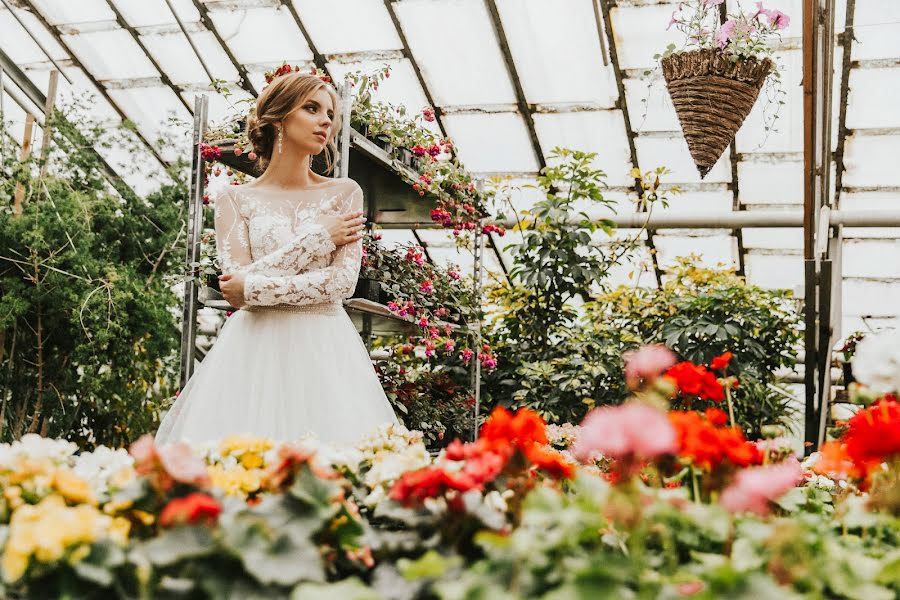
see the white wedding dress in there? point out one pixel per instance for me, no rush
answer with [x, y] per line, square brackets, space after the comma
[291, 363]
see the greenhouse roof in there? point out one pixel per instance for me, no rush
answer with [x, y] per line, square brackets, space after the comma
[510, 80]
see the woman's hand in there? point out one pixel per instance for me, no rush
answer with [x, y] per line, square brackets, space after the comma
[344, 229]
[232, 287]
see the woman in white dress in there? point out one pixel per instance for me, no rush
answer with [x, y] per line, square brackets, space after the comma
[290, 362]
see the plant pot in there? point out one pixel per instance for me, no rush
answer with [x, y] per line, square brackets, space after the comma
[712, 96]
[239, 125]
[212, 281]
[384, 142]
[848, 374]
[405, 156]
[368, 289]
[363, 130]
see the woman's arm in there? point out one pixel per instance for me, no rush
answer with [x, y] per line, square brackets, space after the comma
[233, 243]
[334, 282]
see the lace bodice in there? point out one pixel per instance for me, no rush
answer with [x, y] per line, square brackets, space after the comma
[273, 238]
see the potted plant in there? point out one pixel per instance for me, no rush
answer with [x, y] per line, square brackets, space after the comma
[848, 349]
[715, 78]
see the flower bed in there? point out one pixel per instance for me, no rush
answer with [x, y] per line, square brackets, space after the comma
[645, 502]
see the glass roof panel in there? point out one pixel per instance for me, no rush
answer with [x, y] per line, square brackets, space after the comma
[865, 109]
[774, 269]
[872, 161]
[492, 143]
[557, 51]
[876, 30]
[462, 65]
[175, 56]
[640, 33]
[365, 25]
[247, 30]
[601, 131]
[82, 11]
[771, 182]
[673, 153]
[147, 13]
[714, 248]
[111, 55]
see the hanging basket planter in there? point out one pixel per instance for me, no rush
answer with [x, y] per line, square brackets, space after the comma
[712, 97]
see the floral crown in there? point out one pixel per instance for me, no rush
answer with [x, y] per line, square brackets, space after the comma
[287, 69]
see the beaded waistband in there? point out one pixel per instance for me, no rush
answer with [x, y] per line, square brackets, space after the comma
[325, 308]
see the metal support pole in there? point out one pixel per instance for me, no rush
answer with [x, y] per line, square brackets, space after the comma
[478, 275]
[194, 225]
[343, 160]
[818, 50]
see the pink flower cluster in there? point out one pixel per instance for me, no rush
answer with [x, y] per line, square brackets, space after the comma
[210, 152]
[743, 31]
[490, 228]
[403, 308]
[754, 490]
[632, 430]
[415, 255]
[645, 365]
[428, 113]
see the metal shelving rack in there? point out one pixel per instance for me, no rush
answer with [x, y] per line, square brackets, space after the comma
[390, 202]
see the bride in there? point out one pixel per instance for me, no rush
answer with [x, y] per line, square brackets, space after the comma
[289, 362]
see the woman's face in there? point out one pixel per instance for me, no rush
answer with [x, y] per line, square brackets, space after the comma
[308, 127]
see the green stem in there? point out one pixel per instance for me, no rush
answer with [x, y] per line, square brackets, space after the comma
[695, 485]
[730, 405]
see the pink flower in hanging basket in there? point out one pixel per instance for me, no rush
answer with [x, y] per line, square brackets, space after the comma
[778, 19]
[725, 33]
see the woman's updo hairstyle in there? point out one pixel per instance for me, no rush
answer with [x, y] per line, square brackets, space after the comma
[280, 98]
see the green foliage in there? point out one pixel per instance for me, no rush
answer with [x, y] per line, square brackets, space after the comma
[549, 359]
[701, 313]
[435, 401]
[89, 339]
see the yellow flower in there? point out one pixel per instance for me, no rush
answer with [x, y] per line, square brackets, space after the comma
[239, 444]
[237, 481]
[251, 460]
[14, 564]
[119, 529]
[46, 530]
[13, 496]
[73, 488]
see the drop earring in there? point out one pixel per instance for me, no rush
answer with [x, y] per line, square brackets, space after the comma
[280, 138]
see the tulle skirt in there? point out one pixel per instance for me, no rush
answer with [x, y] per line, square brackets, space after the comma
[281, 374]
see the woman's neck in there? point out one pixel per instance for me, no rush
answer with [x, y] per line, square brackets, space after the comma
[283, 172]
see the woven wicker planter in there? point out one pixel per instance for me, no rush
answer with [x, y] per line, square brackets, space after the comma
[712, 97]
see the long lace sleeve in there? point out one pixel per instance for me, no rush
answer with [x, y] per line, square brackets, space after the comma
[233, 243]
[331, 283]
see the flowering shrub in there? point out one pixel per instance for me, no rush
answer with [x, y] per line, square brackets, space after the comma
[387, 519]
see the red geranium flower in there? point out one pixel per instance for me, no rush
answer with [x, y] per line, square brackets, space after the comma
[720, 363]
[696, 380]
[193, 508]
[873, 434]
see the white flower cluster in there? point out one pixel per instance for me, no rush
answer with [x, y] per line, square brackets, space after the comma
[104, 469]
[386, 454]
[35, 447]
[876, 362]
[562, 436]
